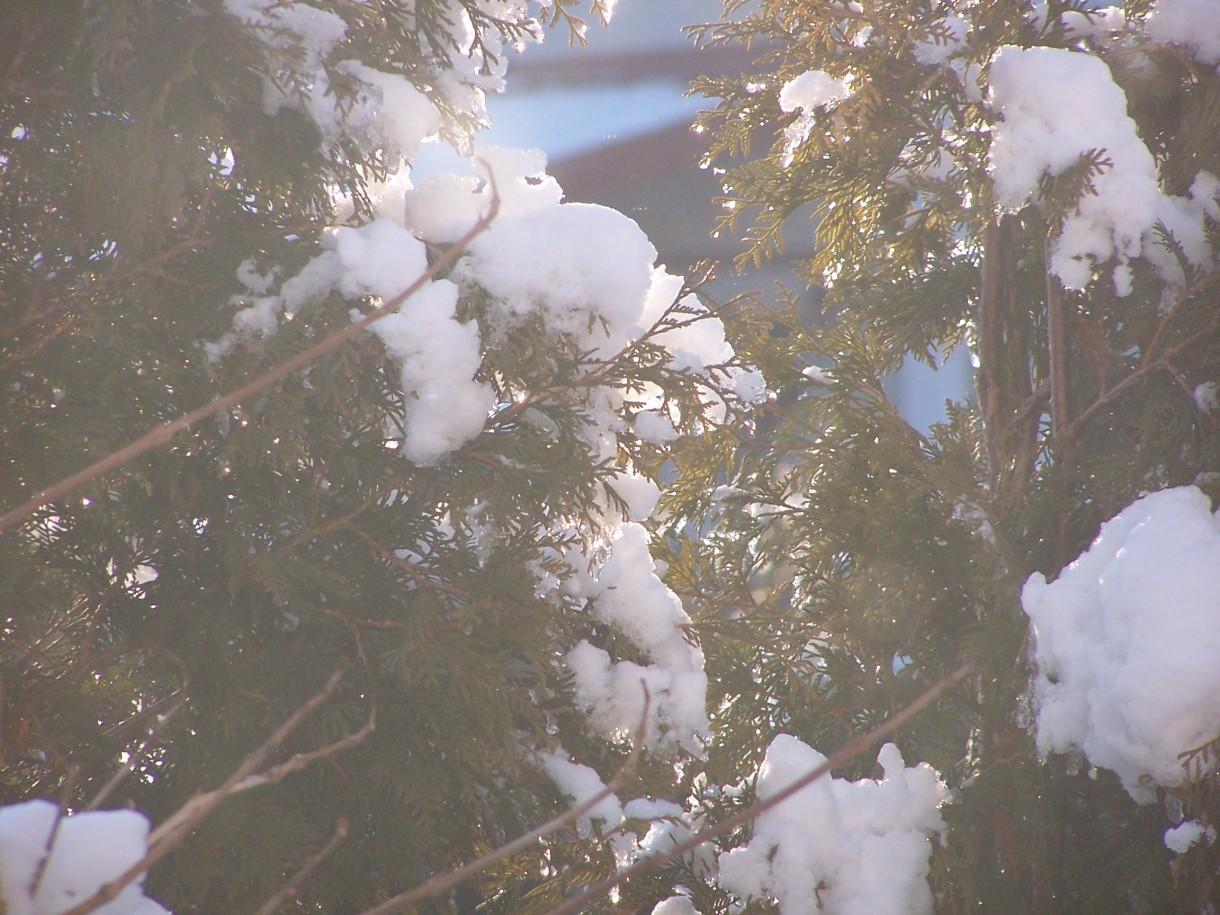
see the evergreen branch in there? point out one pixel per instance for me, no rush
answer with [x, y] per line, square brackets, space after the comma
[1197, 760]
[165, 433]
[60, 310]
[599, 372]
[151, 710]
[848, 752]
[310, 533]
[1163, 362]
[1171, 312]
[439, 884]
[62, 326]
[85, 665]
[290, 889]
[117, 583]
[170, 834]
[359, 623]
[418, 577]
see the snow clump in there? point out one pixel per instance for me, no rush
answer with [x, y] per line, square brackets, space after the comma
[1094, 23]
[627, 592]
[582, 784]
[675, 905]
[839, 846]
[1207, 397]
[1126, 643]
[807, 93]
[580, 272]
[386, 111]
[813, 89]
[87, 851]
[1180, 838]
[607, 816]
[1046, 131]
[1193, 24]
[445, 405]
[654, 427]
[946, 38]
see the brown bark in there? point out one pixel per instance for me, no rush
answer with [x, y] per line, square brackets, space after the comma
[1008, 399]
[1059, 344]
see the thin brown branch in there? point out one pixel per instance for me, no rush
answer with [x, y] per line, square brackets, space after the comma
[1170, 313]
[301, 760]
[152, 710]
[408, 566]
[133, 758]
[1164, 362]
[439, 884]
[1003, 379]
[290, 889]
[359, 623]
[190, 813]
[65, 801]
[310, 533]
[170, 834]
[849, 751]
[165, 433]
[21, 355]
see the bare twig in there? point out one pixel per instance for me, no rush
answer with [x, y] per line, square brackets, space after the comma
[301, 760]
[420, 578]
[200, 805]
[439, 884]
[152, 710]
[133, 758]
[1171, 313]
[65, 801]
[1164, 362]
[849, 751]
[307, 533]
[170, 834]
[164, 433]
[290, 889]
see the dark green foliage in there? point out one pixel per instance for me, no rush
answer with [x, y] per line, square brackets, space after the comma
[850, 559]
[283, 540]
[836, 561]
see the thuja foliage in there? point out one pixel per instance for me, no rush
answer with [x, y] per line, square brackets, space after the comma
[157, 163]
[841, 559]
[149, 150]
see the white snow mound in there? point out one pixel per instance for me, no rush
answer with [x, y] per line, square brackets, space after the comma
[1127, 642]
[840, 847]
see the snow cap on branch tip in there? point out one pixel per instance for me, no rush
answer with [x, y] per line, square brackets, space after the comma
[838, 845]
[1127, 643]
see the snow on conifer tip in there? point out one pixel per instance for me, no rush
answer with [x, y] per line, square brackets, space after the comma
[838, 845]
[1127, 640]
